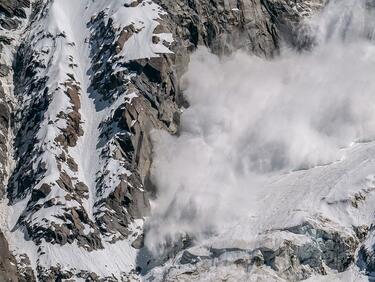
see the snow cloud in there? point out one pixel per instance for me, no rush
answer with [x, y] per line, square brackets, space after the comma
[250, 118]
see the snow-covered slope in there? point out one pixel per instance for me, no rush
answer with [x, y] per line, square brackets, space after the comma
[70, 172]
[268, 176]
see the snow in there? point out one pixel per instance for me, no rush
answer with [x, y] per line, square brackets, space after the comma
[269, 145]
[129, 97]
[67, 52]
[74, 258]
[308, 194]
[352, 274]
[145, 18]
[323, 193]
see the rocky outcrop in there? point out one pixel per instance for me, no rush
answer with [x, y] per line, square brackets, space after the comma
[13, 11]
[226, 25]
[291, 254]
[8, 269]
[366, 253]
[12, 14]
[151, 105]
[5, 120]
[14, 8]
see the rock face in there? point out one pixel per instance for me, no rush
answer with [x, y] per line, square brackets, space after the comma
[313, 248]
[13, 12]
[8, 270]
[226, 25]
[88, 86]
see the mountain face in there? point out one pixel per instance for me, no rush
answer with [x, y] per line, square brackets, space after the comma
[93, 97]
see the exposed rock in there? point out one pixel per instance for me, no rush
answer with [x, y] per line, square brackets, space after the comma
[337, 248]
[11, 8]
[4, 70]
[139, 242]
[258, 26]
[42, 192]
[8, 269]
[293, 258]
[10, 24]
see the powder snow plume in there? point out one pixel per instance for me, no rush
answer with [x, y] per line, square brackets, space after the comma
[250, 118]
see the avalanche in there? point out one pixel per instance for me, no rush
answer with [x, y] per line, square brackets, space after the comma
[274, 162]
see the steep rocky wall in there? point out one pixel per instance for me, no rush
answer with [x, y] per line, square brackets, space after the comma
[258, 26]
[12, 14]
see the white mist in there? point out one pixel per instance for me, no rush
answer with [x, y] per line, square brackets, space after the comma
[251, 119]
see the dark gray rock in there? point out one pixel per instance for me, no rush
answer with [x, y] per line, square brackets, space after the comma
[4, 70]
[9, 24]
[11, 8]
[8, 269]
